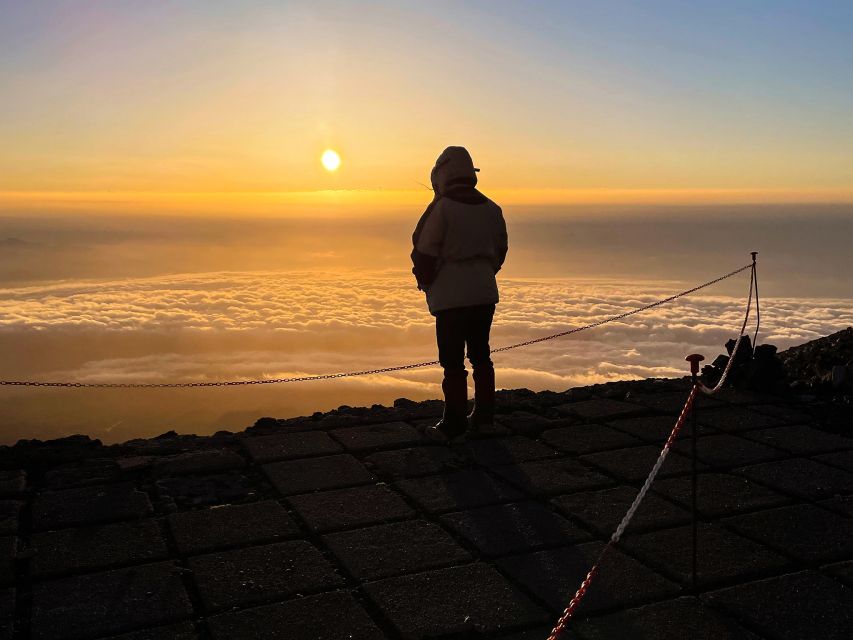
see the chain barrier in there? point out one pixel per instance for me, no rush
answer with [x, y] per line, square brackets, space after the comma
[366, 372]
[569, 611]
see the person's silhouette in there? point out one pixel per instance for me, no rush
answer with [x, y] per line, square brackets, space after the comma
[460, 243]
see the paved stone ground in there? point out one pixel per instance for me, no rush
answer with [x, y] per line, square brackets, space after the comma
[345, 525]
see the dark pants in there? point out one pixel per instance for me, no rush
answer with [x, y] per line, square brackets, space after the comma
[456, 328]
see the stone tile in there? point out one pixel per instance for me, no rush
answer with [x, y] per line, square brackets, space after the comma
[672, 402]
[498, 451]
[410, 463]
[261, 574]
[8, 551]
[84, 473]
[720, 494]
[588, 438]
[13, 483]
[7, 613]
[800, 439]
[801, 477]
[348, 508]
[842, 571]
[513, 528]
[839, 504]
[724, 451]
[803, 531]
[285, 446]
[554, 576]
[746, 397]
[316, 474]
[530, 424]
[109, 603]
[329, 616]
[788, 414]
[231, 525]
[841, 459]
[392, 549]
[656, 429]
[678, 619]
[56, 509]
[722, 555]
[91, 548]
[634, 464]
[198, 462]
[180, 631]
[735, 419]
[553, 477]
[452, 601]
[458, 490]
[10, 511]
[603, 510]
[196, 491]
[601, 409]
[798, 606]
[389, 435]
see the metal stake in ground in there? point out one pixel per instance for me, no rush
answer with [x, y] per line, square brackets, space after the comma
[694, 359]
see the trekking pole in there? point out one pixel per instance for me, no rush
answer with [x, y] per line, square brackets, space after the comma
[694, 360]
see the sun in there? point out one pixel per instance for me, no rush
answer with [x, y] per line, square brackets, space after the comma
[331, 160]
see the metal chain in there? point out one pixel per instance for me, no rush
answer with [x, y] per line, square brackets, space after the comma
[353, 374]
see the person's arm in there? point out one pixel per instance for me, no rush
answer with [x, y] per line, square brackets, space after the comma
[427, 242]
[502, 241]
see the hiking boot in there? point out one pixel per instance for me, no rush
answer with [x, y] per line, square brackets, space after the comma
[453, 422]
[483, 415]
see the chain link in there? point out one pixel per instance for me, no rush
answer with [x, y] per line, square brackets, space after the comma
[366, 372]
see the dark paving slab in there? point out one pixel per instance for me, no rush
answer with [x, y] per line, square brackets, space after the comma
[679, 619]
[800, 439]
[719, 494]
[634, 464]
[10, 511]
[842, 571]
[656, 429]
[553, 477]
[723, 556]
[91, 548]
[286, 446]
[842, 460]
[180, 631]
[410, 463]
[513, 528]
[554, 576]
[735, 419]
[603, 510]
[57, 509]
[839, 504]
[798, 606]
[7, 613]
[724, 451]
[499, 451]
[803, 531]
[201, 462]
[329, 616]
[446, 601]
[391, 549]
[530, 424]
[8, 550]
[231, 525]
[801, 477]
[786, 413]
[458, 490]
[83, 473]
[746, 397]
[316, 474]
[588, 438]
[348, 508]
[261, 574]
[13, 483]
[109, 603]
[600, 409]
[194, 491]
[389, 435]
[672, 402]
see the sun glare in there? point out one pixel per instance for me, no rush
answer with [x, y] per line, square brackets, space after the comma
[331, 160]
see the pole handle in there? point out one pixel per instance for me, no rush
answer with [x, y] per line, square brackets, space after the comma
[694, 359]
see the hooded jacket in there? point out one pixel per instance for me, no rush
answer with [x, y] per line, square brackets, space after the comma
[460, 242]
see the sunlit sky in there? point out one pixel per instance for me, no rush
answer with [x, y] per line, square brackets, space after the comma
[129, 105]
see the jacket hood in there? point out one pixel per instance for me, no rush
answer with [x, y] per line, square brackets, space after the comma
[453, 167]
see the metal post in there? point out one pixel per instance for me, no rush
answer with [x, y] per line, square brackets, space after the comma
[694, 360]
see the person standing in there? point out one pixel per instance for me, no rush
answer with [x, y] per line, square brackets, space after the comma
[459, 245]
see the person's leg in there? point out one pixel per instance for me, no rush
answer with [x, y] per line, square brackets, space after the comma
[477, 329]
[450, 335]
